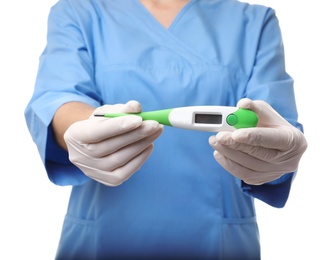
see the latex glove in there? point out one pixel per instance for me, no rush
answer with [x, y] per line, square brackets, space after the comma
[111, 150]
[261, 154]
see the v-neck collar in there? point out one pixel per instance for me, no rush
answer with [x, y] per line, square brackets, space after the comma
[175, 20]
[166, 36]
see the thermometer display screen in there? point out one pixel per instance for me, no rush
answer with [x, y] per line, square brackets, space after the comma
[208, 119]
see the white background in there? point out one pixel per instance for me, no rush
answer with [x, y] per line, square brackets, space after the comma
[32, 209]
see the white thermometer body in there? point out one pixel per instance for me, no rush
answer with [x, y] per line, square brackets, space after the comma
[201, 118]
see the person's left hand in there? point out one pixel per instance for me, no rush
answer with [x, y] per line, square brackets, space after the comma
[261, 154]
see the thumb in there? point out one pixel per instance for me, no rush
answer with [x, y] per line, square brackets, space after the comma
[131, 106]
[268, 117]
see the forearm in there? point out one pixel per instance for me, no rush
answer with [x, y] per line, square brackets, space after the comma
[66, 115]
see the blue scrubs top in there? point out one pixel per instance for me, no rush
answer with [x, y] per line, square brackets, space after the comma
[181, 204]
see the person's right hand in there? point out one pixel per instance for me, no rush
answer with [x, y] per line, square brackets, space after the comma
[111, 150]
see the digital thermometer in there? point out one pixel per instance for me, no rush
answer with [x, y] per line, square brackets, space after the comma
[202, 118]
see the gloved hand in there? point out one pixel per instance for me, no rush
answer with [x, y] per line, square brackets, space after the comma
[111, 150]
[261, 154]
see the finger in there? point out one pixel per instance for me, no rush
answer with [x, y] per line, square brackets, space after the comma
[123, 173]
[257, 158]
[260, 107]
[244, 173]
[131, 106]
[238, 152]
[268, 117]
[98, 129]
[222, 141]
[121, 157]
[234, 168]
[114, 143]
[261, 162]
[281, 138]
